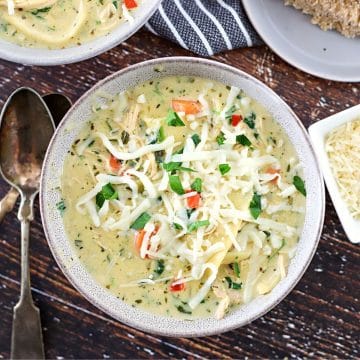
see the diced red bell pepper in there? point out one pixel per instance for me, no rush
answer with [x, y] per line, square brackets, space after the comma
[115, 163]
[177, 286]
[193, 201]
[235, 119]
[130, 4]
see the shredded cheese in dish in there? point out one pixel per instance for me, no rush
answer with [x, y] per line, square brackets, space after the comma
[343, 149]
[55, 24]
[177, 221]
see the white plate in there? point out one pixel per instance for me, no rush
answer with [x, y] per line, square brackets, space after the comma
[294, 38]
[318, 132]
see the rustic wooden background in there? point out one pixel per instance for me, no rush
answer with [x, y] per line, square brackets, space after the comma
[319, 319]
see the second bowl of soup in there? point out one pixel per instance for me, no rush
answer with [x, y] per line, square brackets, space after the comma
[181, 193]
[52, 32]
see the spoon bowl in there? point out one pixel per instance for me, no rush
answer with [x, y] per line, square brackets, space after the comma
[25, 131]
[58, 105]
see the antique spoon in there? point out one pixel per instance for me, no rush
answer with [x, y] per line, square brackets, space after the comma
[58, 105]
[26, 128]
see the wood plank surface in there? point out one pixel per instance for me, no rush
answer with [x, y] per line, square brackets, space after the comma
[319, 319]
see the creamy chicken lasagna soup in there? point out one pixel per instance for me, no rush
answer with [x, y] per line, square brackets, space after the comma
[183, 196]
[55, 24]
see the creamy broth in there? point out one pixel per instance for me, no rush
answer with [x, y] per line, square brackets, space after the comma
[56, 24]
[206, 223]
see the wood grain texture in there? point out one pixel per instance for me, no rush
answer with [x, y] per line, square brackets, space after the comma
[319, 319]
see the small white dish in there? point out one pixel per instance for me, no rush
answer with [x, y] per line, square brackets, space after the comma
[45, 57]
[291, 35]
[318, 133]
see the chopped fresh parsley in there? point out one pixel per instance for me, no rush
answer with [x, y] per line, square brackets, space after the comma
[250, 120]
[197, 224]
[255, 206]
[174, 166]
[299, 184]
[197, 185]
[236, 269]
[229, 113]
[243, 140]
[220, 139]
[233, 285]
[181, 309]
[141, 221]
[224, 168]
[175, 184]
[196, 139]
[177, 226]
[173, 119]
[36, 12]
[160, 267]
[107, 193]
[161, 135]
[61, 206]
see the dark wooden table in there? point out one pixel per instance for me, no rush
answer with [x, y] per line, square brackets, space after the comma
[319, 319]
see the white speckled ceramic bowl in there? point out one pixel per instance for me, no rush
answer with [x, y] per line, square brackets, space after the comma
[31, 56]
[66, 256]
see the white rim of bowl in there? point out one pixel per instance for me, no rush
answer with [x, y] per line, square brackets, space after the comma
[45, 57]
[154, 329]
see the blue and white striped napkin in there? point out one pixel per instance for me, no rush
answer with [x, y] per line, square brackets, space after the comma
[205, 27]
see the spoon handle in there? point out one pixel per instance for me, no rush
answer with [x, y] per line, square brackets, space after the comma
[26, 339]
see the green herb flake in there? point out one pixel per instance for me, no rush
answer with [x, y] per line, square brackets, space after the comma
[197, 224]
[79, 244]
[299, 184]
[250, 120]
[107, 193]
[61, 206]
[140, 222]
[236, 269]
[115, 3]
[243, 140]
[174, 166]
[220, 139]
[175, 184]
[283, 243]
[229, 113]
[224, 168]
[173, 119]
[44, 10]
[196, 139]
[177, 226]
[197, 185]
[161, 135]
[181, 309]
[160, 267]
[232, 284]
[255, 206]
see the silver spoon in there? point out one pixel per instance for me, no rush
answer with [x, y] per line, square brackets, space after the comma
[58, 105]
[26, 128]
